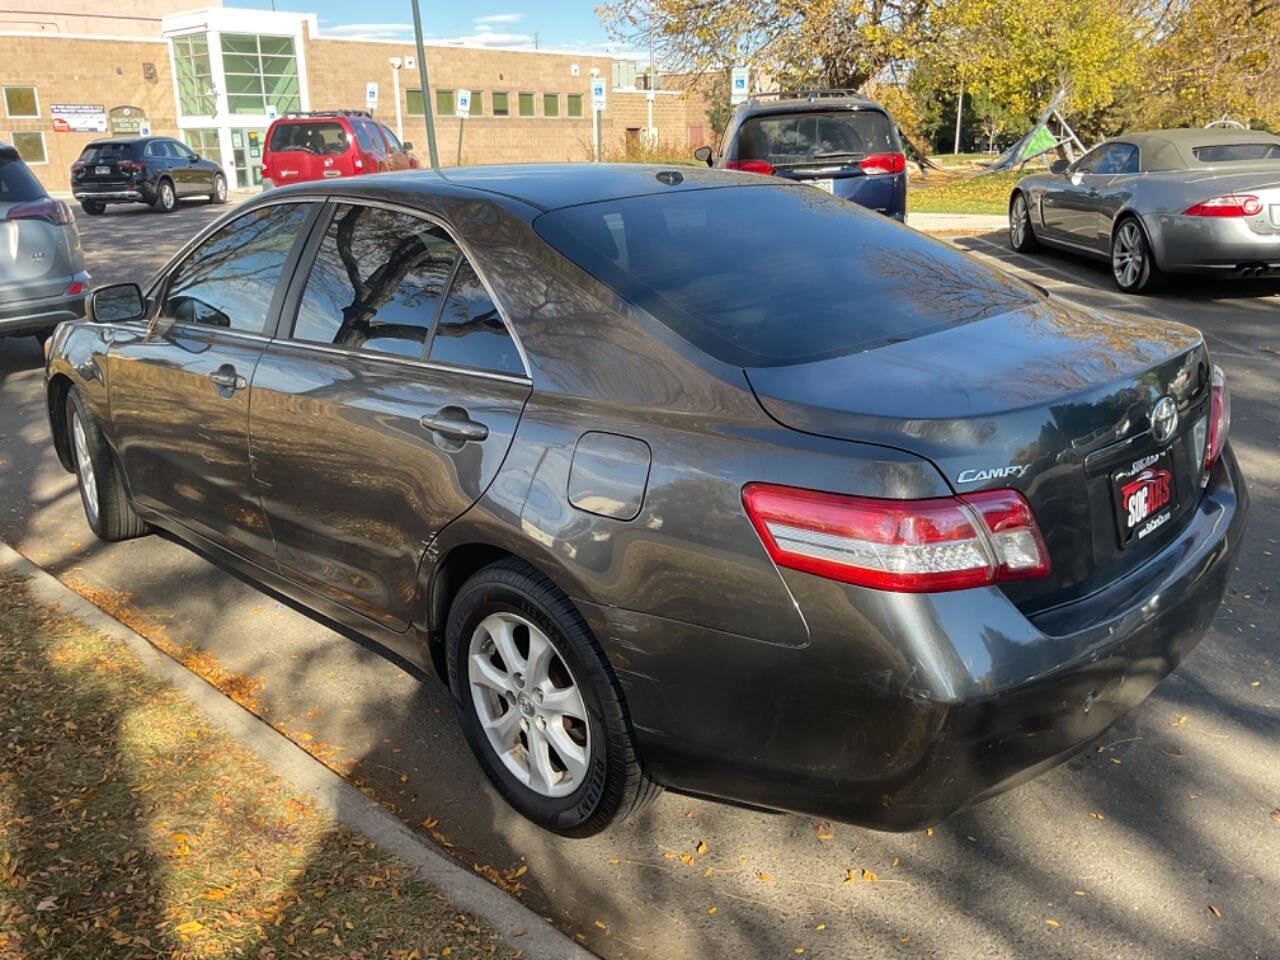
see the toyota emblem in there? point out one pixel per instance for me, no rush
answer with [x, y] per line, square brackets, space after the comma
[1164, 419]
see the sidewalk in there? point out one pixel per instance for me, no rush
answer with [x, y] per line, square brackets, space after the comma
[957, 223]
[144, 811]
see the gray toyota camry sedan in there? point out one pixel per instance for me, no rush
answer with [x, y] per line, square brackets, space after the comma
[1201, 201]
[676, 477]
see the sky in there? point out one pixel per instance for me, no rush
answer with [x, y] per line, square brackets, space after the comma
[550, 24]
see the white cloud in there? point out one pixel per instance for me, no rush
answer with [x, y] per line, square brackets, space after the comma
[489, 38]
[370, 31]
[499, 18]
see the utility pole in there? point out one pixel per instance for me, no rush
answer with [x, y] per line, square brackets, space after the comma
[395, 84]
[959, 114]
[426, 90]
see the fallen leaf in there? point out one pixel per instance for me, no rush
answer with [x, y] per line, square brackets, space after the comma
[850, 876]
[1275, 814]
[686, 859]
[896, 861]
[821, 926]
[763, 877]
[869, 876]
[1096, 815]
[711, 911]
[48, 903]
[1078, 893]
[904, 939]
[430, 823]
[601, 925]
[1116, 761]
[1214, 910]
[702, 846]
[799, 950]
[520, 871]
[1050, 921]
[1180, 721]
[613, 859]
[928, 831]
[825, 836]
[708, 873]
[191, 926]
[1256, 683]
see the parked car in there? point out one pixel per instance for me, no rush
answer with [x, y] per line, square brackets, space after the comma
[1163, 201]
[331, 143]
[832, 518]
[158, 171]
[43, 280]
[836, 140]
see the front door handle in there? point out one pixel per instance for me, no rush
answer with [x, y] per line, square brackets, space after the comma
[228, 379]
[454, 423]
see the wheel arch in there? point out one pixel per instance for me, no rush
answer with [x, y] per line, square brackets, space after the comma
[56, 399]
[1130, 213]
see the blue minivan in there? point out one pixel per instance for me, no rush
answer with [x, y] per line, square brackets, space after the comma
[837, 140]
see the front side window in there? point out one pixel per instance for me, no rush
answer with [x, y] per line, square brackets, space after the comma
[229, 280]
[180, 150]
[526, 104]
[470, 332]
[391, 138]
[376, 283]
[21, 102]
[1116, 158]
[501, 104]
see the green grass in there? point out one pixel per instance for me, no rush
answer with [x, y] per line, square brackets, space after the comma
[984, 193]
[960, 159]
[130, 828]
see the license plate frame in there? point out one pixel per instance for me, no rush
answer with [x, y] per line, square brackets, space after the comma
[102, 171]
[1145, 496]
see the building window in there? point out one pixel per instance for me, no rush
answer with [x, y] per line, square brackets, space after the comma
[21, 102]
[205, 143]
[30, 146]
[574, 105]
[501, 104]
[195, 76]
[444, 103]
[526, 104]
[260, 71]
[413, 102]
[551, 104]
[477, 104]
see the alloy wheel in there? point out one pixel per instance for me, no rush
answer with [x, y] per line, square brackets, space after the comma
[84, 464]
[1018, 222]
[529, 704]
[1128, 255]
[219, 189]
[166, 197]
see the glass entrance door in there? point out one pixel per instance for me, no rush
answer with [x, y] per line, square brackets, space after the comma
[246, 148]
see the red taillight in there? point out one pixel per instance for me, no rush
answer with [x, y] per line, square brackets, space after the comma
[131, 166]
[77, 168]
[914, 546]
[883, 163]
[1231, 205]
[1219, 418]
[75, 288]
[749, 166]
[48, 209]
[358, 163]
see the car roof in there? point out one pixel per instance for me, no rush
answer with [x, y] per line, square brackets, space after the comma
[1173, 149]
[127, 140]
[548, 186]
[808, 103]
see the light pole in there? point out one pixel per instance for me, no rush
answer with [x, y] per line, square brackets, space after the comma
[595, 112]
[426, 91]
[395, 86]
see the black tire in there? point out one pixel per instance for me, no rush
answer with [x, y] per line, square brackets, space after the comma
[166, 200]
[112, 516]
[1133, 264]
[219, 194]
[1022, 235]
[95, 208]
[615, 785]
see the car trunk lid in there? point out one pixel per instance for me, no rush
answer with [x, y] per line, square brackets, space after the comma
[1054, 403]
[100, 164]
[312, 150]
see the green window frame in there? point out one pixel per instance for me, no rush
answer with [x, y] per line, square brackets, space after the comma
[260, 71]
[444, 103]
[30, 146]
[573, 105]
[501, 102]
[21, 102]
[194, 74]
[526, 104]
[551, 104]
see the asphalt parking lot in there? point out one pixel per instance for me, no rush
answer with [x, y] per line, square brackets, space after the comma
[1162, 843]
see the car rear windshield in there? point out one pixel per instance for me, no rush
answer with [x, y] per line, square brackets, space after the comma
[17, 183]
[791, 138]
[1230, 152]
[107, 152]
[322, 137]
[764, 275]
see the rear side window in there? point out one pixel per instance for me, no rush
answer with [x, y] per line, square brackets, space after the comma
[158, 148]
[470, 332]
[324, 138]
[376, 283]
[17, 183]
[364, 136]
[767, 274]
[107, 152]
[229, 279]
[1232, 152]
[792, 138]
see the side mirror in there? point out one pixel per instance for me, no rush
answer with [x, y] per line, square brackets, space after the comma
[116, 303]
[1059, 166]
[407, 146]
[195, 158]
[703, 154]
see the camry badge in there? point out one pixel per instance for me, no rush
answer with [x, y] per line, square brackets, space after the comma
[992, 473]
[1164, 420]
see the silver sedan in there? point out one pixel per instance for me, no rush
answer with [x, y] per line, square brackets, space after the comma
[1163, 201]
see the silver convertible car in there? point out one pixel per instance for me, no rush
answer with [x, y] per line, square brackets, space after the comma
[1164, 201]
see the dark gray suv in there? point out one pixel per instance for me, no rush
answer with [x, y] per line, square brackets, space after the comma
[43, 280]
[676, 477]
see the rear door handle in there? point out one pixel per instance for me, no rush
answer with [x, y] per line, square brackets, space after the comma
[454, 423]
[228, 379]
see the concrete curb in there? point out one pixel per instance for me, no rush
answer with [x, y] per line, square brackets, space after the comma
[957, 222]
[519, 926]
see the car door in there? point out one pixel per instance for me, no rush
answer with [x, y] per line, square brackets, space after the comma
[385, 411]
[178, 386]
[192, 176]
[1115, 183]
[397, 159]
[1080, 202]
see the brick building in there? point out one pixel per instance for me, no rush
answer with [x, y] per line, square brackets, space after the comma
[216, 77]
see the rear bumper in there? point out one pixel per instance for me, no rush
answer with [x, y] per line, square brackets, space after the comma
[114, 194]
[919, 705]
[1212, 244]
[36, 316]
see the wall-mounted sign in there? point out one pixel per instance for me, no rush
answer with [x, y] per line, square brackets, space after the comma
[78, 117]
[126, 121]
[410, 63]
[255, 143]
[272, 111]
[573, 70]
